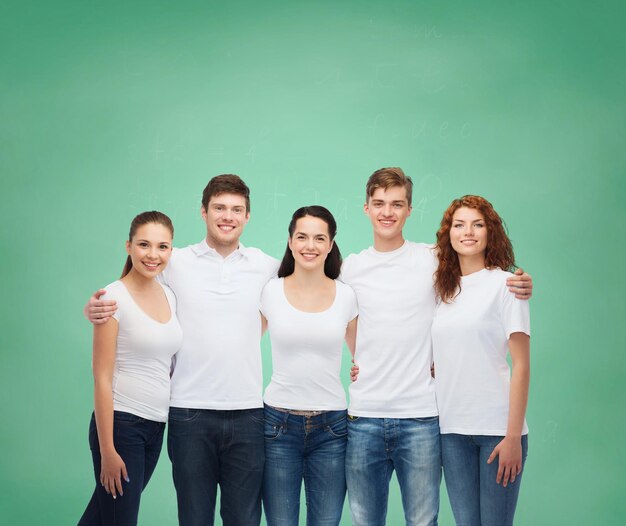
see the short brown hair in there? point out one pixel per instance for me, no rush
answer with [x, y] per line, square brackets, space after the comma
[226, 184]
[386, 178]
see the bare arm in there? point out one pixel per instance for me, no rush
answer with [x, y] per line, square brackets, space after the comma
[351, 336]
[99, 311]
[509, 450]
[104, 348]
[521, 284]
[263, 323]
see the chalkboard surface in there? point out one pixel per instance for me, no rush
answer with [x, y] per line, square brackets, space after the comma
[111, 108]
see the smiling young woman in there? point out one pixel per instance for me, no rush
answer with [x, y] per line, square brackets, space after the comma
[482, 404]
[132, 354]
[309, 314]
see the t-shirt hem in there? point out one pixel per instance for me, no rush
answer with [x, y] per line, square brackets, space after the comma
[386, 414]
[307, 406]
[161, 417]
[484, 432]
[221, 405]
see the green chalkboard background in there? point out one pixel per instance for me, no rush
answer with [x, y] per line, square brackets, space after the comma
[110, 108]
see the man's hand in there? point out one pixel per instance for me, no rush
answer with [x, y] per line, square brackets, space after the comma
[99, 311]
[521, 285]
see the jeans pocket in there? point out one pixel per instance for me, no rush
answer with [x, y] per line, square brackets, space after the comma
[181, 414]
[338, 429]
[272, 431]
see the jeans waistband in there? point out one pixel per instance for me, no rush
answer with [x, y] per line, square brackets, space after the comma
[311, 418]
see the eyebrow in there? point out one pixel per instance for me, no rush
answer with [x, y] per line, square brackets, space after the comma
[463, 221]
[305, 234]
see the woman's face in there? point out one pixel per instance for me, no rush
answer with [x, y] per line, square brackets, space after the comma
[310, 243]
[150, 249]
[468, 233]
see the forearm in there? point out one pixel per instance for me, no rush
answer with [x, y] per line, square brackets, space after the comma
[518, 400]
[103, 409]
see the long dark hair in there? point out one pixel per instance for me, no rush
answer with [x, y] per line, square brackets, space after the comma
[332, 265]
[143, 219]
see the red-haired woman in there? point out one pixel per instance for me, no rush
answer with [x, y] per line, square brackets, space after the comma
[482, 404]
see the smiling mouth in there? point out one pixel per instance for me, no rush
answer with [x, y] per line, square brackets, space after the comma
[226, 228]
[386, 222]
[308, 256]
[151, 266]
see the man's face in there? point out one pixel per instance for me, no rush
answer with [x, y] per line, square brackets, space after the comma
[225, 217]
[388, 210]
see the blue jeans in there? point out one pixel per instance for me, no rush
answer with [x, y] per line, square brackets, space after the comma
[138, 441]
[475, 498]
[377, 446]
[209, 447]
[310, 448]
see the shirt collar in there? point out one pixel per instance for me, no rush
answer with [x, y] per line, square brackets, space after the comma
[202, 249]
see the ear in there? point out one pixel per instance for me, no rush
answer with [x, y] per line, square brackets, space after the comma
[332, 244]
[128, 247]
[203, 212]
[366, 209]
[289, 243]
[410, 210]
[247, 217]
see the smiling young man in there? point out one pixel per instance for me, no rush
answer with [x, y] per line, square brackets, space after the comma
[393, 420]
[215, 426]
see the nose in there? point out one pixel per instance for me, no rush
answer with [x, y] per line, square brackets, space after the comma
[152, 253]
[387, 210]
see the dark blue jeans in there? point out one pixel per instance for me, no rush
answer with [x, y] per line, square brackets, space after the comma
[209, 447]
[475, 498]
[138, 441]
[312, 449]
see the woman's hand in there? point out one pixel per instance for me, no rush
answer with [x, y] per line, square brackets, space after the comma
[509, 453]
[112, 471]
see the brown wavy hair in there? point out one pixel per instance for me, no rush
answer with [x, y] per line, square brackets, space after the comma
[499, 251]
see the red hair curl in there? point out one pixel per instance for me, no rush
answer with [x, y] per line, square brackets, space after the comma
[499, 251]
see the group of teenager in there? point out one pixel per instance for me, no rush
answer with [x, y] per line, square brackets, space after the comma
[177, 340]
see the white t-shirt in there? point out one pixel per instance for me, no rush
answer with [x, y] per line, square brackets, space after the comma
[143, 357]
[396, 301]
[306, 349]
[219, 363]
[470, 344]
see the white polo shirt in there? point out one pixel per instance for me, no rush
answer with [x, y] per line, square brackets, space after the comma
[219, 363]
[397, 303]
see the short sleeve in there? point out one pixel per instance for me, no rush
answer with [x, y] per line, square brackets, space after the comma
[515, 314]
[265, 298]
[113, 293]
[171, 298]
[351, 303]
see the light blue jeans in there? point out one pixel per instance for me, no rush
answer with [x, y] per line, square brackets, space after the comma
[475, 498]
[312, 449]
[377, 446]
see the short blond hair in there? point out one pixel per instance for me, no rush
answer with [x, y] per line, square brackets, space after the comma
[386, 178]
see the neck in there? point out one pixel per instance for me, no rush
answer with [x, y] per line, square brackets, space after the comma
[307, 278]
[471, 264]
[136, 281]
[387, 245]
[223, 250]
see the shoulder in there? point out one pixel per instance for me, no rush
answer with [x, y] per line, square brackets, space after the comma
[257, 256]
[425, 250]
[345, 289]
[114, 291]
[168, 292]
[352, 263]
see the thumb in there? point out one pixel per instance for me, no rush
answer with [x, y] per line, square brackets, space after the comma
[99, 293]
[519, 271]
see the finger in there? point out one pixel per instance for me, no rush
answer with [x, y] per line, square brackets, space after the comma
[118, 484]
[98, 293]
[500, 473]
[505, 476]
[493, 455]
[110, 487]
[519, 271]
[125, 473]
